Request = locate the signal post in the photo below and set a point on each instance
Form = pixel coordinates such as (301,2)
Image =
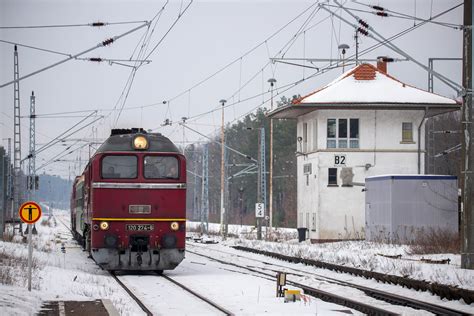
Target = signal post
(30,213)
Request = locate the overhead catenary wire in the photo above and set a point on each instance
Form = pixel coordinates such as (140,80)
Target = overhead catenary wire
(144,46)
(61,155)
(99,45)
(218,142)
(92,24)
(180,15)
(362,52)
(282,51)
(401,15)
(36,48)
(68,135)
(365,51)
(241,56)
(392,46)
(65,134)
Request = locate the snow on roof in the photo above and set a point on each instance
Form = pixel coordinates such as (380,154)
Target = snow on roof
(367,84)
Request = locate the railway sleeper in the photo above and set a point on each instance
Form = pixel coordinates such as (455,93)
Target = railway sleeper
(444,291)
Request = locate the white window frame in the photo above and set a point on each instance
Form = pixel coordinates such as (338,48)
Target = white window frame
(411,133)
(315,135)
(305,137)
(338,141)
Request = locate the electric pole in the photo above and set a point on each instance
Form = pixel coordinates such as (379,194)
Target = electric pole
(467,223)
(195,189)
(205,190)
(222,228)
(270,208)
(261,179)
(184,135)
(31,156)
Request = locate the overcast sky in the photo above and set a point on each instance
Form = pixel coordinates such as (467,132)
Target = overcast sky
(207,37)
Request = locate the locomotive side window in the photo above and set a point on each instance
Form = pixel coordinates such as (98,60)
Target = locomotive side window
(119,167)
(161,167)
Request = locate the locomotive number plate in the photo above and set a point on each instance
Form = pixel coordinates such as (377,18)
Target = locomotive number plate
(140,227)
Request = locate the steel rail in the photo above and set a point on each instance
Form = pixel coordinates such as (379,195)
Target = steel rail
(385,296)
(208,301)
(133,296)
(323,295)
(129,292)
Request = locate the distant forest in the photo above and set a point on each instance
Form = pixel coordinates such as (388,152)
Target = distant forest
(54,191)
(242,190)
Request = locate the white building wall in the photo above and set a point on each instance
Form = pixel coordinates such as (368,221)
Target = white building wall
(339,212)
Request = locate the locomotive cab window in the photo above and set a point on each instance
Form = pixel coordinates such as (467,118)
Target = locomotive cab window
(119,167)
(161,167)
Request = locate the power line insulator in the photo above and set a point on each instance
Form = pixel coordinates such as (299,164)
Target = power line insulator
(364,24)
(362,31)
(383,14)
(98,24)
(378,8)
(107,42)
(388,59)
(96,59)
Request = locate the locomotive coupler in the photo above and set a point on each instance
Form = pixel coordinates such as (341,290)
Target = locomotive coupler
(139,258)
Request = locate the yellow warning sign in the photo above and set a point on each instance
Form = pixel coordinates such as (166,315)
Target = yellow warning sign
(30,212)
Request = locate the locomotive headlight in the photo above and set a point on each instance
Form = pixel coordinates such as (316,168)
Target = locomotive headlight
(104,225)
(140,142)
(174,226)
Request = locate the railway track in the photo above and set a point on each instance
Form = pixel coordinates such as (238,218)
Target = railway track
(149,312)
(374,293)
(441,290)
(145,309)
(132,295)
(208,301)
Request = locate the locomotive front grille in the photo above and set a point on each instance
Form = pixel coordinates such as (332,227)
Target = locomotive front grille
(139,209)
(139,243)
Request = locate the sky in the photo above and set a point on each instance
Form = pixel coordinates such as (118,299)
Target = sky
(186,75)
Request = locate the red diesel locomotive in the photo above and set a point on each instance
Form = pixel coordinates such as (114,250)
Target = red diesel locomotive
(128,207)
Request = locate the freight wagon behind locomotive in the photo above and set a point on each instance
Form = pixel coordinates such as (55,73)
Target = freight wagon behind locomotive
(128,207)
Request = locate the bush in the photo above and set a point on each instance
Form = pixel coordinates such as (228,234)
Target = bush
(433,241)
(14,269)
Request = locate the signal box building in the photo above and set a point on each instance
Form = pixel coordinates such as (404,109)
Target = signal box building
(365,123)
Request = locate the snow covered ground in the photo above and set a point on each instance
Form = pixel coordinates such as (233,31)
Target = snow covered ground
(359,254)
(73,276)
(57,276)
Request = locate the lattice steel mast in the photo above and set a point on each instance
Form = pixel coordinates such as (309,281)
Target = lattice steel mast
(17,136)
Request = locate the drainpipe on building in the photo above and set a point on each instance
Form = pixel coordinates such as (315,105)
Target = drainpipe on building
(419,140)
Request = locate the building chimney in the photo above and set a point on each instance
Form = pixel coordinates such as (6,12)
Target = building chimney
(382,64)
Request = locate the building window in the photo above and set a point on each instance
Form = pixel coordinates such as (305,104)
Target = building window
(315,135)
(305,137)
(313,224)
(332,177)
(331,133)
(354,133)
(407,132)
(343,133)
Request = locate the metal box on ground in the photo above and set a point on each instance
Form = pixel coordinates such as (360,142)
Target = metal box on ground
(398,207)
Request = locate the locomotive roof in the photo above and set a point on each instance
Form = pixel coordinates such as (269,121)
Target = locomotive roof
(124,142)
